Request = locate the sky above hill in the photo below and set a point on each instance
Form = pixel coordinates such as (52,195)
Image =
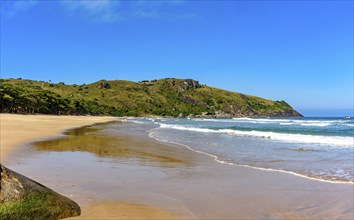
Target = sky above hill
(297,51)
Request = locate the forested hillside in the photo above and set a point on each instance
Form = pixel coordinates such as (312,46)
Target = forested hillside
(164,97)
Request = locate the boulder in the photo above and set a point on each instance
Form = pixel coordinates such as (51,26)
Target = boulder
(191,116)
(24,198)
(221,114)
(204,114)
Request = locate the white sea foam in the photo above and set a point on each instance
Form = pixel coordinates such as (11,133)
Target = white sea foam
(136,121)
(294,138)
(297,138)
(296,122)
(287,123)
(185,128)
(316,124)
(268,120)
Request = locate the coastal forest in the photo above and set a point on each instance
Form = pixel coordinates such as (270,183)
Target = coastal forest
(164,97)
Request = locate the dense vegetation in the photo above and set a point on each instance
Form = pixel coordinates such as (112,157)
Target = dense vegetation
(165,97)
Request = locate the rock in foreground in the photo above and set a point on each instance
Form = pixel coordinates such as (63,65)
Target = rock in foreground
(23,198)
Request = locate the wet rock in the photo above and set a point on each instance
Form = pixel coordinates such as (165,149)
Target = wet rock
(23,198)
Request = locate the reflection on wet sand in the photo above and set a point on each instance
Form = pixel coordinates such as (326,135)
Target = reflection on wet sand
(89,139)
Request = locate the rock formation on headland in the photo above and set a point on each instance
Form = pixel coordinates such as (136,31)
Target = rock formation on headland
(23,198)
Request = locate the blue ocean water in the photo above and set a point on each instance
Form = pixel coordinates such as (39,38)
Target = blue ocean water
(320,148)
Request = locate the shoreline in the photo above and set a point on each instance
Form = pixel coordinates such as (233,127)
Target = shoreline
(211,189)
(222,159)
(216,159)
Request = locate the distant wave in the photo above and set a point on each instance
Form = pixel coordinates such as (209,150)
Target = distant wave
(322,124)
(298,122)
(294,138)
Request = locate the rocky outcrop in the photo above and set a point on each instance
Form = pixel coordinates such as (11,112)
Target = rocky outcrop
(188,100)
(189,83)
(251,114)
(220,114)
(104,85)
(285,113)
(23,198)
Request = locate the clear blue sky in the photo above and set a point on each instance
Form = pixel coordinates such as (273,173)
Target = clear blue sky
(297,51)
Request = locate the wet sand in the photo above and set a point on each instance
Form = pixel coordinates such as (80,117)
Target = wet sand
(112,173)
(19,129)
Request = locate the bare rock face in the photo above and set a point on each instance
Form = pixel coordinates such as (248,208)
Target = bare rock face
(23,198)
(189,83)
(104,85)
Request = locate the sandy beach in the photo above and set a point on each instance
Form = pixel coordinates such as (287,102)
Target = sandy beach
(19,129)
(131,176)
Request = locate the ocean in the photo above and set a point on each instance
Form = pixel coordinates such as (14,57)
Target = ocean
(317,148)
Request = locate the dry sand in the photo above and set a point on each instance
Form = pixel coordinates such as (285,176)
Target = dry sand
(153,180)
(18,129)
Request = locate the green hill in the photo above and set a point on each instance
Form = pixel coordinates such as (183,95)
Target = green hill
(164,97)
